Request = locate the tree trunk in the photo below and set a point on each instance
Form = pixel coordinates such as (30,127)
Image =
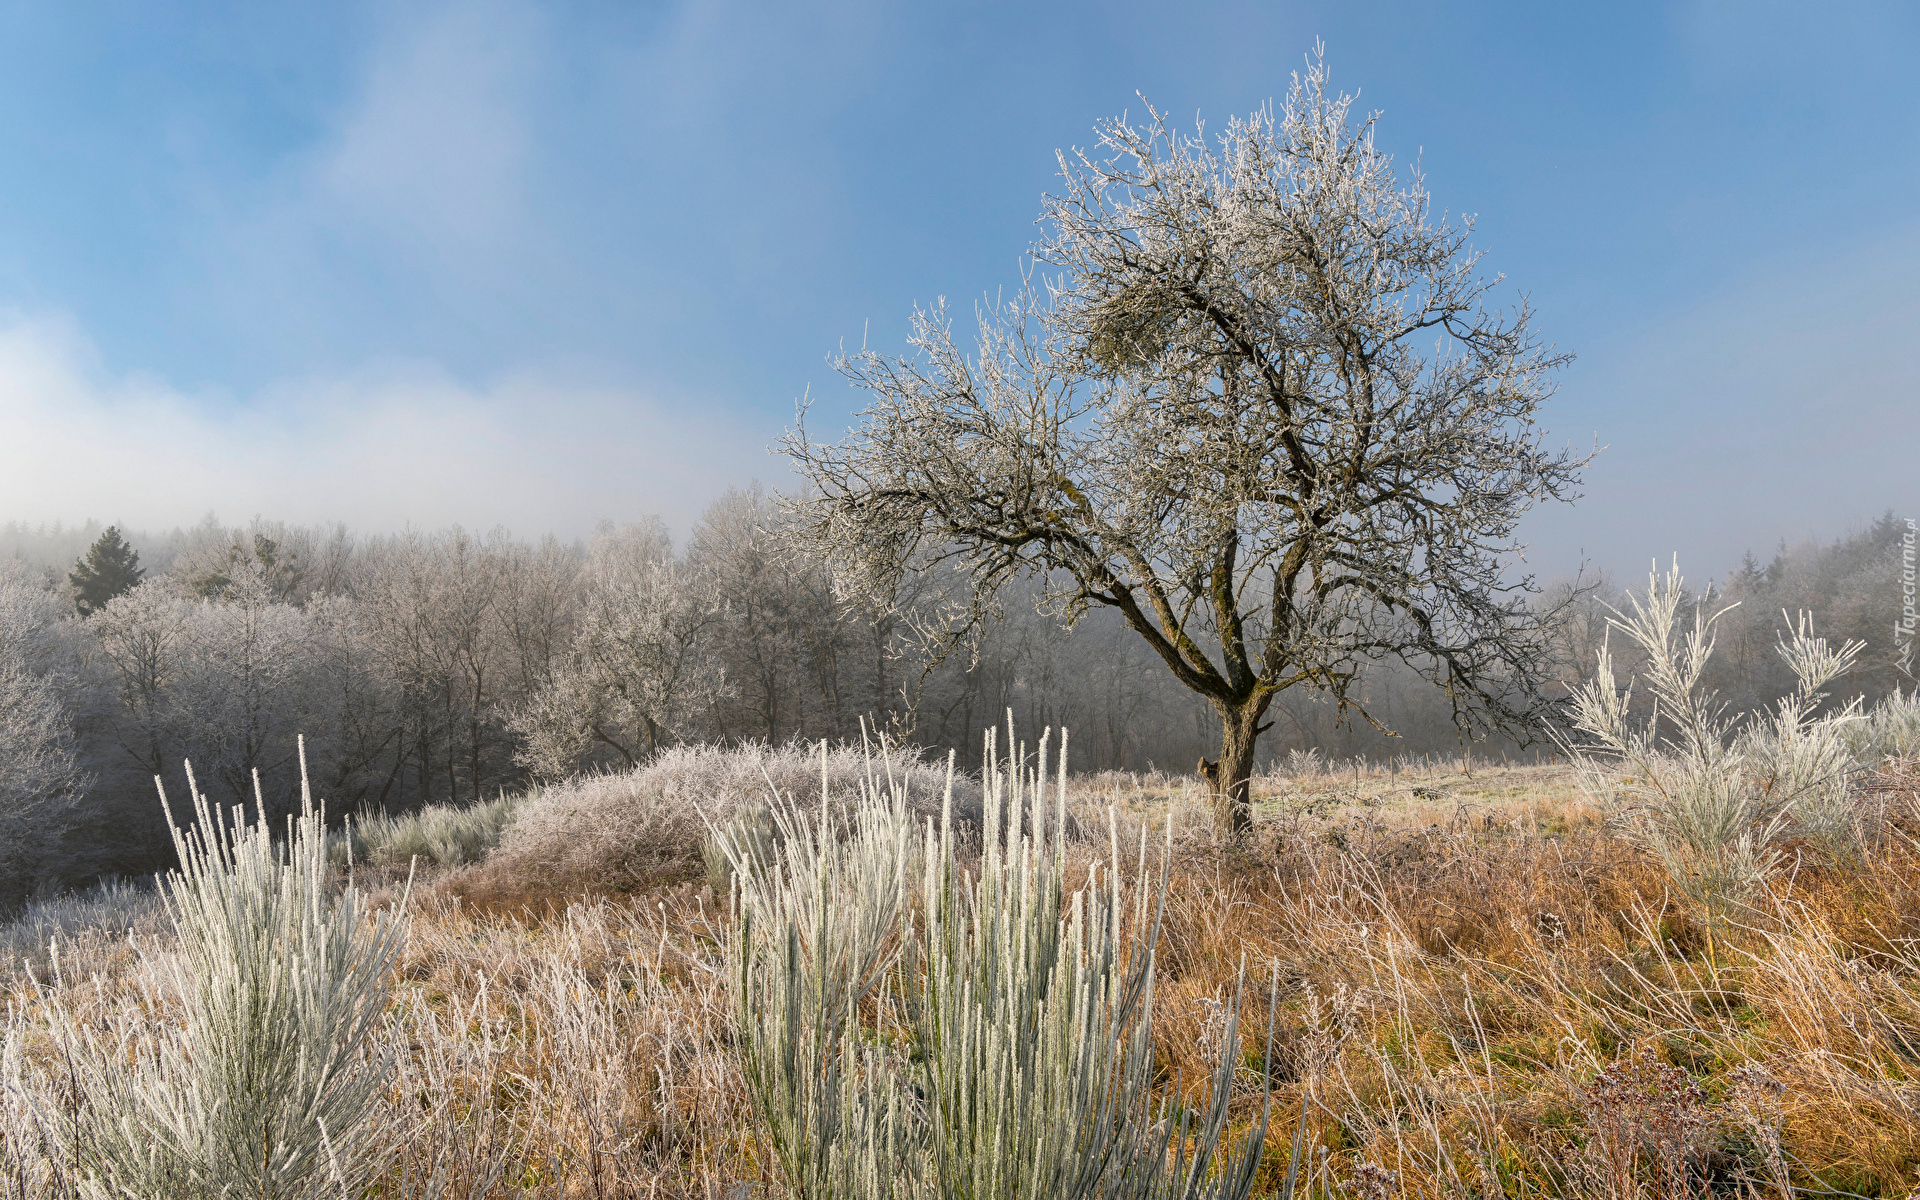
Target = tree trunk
(1230,777)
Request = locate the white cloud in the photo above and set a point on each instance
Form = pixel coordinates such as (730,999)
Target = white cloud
(383,449)
(436,146)
(414,215)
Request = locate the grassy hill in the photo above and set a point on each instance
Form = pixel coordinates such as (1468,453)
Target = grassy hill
(1482,988)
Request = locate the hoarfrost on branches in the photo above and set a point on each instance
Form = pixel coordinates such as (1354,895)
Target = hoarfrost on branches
(1265,411)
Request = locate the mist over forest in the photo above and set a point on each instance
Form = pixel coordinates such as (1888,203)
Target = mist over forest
(450,667)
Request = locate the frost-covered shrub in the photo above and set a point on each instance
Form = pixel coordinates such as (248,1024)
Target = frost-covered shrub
(1805,763)
(445,835)
(994,1041)
(1708,794)
(246,1063)
(82,924)
(1304,764)
(625,830)
(1890,731)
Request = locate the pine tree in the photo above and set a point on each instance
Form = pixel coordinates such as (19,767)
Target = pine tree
(110,568)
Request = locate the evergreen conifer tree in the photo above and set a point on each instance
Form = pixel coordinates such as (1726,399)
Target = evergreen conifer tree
(110,568)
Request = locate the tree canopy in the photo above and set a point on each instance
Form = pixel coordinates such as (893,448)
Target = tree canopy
(1265,410)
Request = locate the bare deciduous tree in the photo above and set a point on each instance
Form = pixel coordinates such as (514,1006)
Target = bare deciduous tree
(640,664)
(39,767)
(432,608)
(137,637)
(245,683)
(1266,414)
(738,548)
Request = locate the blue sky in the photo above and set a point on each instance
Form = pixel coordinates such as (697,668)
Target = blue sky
(532,265)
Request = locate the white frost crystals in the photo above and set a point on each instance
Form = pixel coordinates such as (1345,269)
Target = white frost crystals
(262,1084)
(992,1041)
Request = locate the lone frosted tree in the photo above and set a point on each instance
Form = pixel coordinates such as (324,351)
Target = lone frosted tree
(1264,410)
(110,568)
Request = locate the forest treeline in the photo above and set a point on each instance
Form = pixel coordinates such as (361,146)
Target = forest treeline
(448,667)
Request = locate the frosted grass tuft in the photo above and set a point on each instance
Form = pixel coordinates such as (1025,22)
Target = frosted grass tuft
(993,1041)
(245,1062)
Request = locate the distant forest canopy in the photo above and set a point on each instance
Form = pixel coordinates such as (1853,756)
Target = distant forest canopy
(449,666)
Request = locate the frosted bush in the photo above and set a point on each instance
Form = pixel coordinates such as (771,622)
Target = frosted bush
(447,835)
(994,1041)
(1890,731)
(628,829)
(815,934)
(1304,764)
(1705,794)
(85,925)
(1804,763)
(244,1063)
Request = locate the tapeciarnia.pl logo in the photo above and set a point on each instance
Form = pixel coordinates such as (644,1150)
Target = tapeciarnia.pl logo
(1903,628)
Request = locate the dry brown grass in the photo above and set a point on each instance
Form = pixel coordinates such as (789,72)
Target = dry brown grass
(608,1074)
(1499,995)
(1481,991)
(581,1054)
